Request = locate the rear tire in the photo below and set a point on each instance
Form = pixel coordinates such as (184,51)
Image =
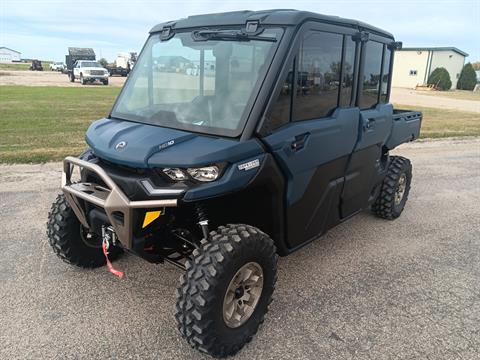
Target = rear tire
(207,306)
(69,241)
(394,189)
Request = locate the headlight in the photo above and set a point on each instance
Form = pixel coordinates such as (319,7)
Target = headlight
(204,174)
(175,174)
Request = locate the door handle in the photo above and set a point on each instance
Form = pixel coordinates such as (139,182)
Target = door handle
(369,123)
(299,142)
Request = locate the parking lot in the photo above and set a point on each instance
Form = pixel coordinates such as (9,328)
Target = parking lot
(369,289)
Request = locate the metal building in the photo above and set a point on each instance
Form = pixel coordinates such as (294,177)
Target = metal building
(8,55)
(412,66)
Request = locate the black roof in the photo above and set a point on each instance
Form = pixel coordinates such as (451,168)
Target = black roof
(285,17)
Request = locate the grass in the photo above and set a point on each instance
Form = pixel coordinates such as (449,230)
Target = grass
(441,123)
(39,124)
(454,94)
(22,66)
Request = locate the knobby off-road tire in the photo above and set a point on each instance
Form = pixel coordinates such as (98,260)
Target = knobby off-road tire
(203,288)
(394,189)
(65,236)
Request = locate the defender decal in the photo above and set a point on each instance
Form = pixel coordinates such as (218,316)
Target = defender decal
(249,165)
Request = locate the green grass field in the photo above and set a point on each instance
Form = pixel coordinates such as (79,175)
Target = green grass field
(40,124)
(441,123)
(22,66)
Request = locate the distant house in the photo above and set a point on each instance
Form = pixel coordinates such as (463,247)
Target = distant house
(413,66)
(8,55)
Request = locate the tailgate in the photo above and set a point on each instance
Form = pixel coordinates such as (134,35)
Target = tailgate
(406,127)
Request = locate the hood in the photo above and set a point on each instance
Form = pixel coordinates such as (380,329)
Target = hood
(143,146)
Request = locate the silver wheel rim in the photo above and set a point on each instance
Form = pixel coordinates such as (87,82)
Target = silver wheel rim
(243,294)
(402,185)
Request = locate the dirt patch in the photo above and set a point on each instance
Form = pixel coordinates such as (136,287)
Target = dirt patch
(48,78)
(414,98)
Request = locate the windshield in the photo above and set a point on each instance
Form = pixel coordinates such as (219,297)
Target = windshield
(204,85)
(90,64)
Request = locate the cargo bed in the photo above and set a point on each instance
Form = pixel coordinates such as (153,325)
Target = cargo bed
(405,128)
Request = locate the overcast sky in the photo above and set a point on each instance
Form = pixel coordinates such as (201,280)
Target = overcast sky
(44,29)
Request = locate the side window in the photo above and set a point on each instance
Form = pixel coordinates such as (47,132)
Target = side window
(386,75)
(280,113)
(318,76)
(348,68)
(371,74)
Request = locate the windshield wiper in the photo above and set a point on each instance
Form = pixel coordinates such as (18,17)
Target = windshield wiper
(204,35)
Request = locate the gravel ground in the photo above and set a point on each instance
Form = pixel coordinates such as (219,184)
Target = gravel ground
(416,98)
(48,78)
(369,289)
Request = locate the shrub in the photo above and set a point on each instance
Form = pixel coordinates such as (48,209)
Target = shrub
(103,62)
(468,78)
(440,78)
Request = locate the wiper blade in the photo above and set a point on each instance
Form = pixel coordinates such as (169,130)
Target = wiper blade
(204,35)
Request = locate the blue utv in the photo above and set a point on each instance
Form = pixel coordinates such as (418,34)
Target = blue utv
(237,137)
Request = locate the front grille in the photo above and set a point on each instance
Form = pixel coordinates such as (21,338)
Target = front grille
(96,72)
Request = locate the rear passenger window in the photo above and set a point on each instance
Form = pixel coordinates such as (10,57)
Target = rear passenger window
(318,76)
(348,68)
(371,74)
(386,75)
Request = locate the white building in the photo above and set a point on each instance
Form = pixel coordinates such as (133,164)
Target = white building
(8,55)
(413,66)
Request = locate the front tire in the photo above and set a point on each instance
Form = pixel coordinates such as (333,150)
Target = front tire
(82,80)
(70,240)
(225,293)
(394,189)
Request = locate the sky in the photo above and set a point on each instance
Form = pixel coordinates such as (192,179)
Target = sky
(45,29)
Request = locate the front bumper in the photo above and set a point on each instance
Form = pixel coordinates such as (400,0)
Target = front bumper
(111,198)
(96,77)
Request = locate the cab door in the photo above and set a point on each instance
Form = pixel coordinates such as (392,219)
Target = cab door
(368,164)
(315,130)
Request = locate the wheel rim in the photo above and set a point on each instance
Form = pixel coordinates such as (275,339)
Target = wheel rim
(402,185)
(243,294)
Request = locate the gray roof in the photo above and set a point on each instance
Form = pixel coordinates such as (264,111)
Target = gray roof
(81,51)
(4,47)
(439,48)
(265,17)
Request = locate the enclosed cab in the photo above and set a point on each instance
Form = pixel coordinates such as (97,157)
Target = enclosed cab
(237,137)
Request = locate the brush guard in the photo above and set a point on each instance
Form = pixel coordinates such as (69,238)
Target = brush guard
(117,206)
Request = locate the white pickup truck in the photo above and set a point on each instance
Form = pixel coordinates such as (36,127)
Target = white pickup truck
(88,71)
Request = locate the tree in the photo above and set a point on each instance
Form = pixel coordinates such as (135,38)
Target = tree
(467,79)
(103,62)
(440,78)
(476,65)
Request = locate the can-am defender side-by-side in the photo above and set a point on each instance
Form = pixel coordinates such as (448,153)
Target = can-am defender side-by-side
(236,137)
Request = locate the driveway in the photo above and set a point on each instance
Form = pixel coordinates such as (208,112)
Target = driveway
(369,289)
(415,98)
